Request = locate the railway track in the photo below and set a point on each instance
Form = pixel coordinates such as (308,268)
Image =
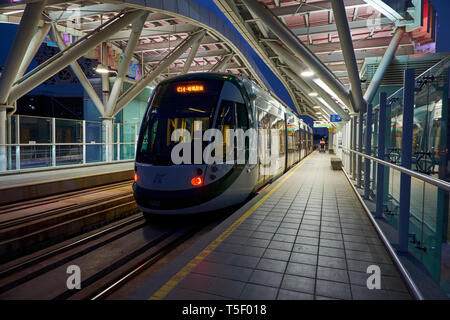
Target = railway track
(107,259)
(32,225)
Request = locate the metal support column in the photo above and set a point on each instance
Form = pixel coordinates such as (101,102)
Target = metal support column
(405,180)
(368,152)
(360,146)
(381,154)
(108,125)
(351,146)
(384,65)
(105,76)
(345,38)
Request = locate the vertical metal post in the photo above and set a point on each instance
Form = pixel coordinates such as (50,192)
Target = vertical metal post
(360,146)
(368,152)
(108,126)
(405,180)
(84,141)
(355,134)
(3,139)
(375,143)
(18,142)
(381,154)
(118,141)
(53,142)
(388,147)
(135,137)
(351,145)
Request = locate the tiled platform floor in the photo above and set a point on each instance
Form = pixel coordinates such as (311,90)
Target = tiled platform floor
(310,239)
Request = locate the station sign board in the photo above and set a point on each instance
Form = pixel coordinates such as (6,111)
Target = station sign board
(335,118)
(322,124)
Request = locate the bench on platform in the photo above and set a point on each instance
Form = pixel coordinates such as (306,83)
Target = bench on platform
(336,163)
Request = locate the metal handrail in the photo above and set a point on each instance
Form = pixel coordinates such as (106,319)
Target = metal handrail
(436,182)
(406,276)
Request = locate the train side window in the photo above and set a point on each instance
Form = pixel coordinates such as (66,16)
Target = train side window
(226,116)
(226,121)
(242,116)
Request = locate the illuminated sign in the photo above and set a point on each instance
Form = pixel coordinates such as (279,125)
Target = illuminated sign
(335,118)
(192,88)
(322,124)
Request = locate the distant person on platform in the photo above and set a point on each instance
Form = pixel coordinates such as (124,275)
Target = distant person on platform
(322,144)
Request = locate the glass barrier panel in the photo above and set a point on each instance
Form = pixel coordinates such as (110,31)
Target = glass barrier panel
(69,131)
(69,154)
(95,153)
(35,156)
(127,151)
(35,130)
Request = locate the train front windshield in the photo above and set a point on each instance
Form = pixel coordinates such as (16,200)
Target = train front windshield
(177,105)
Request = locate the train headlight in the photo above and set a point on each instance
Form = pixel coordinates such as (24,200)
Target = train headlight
(197,181)
(135,177)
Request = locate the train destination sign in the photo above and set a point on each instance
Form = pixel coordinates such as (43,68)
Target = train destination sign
(322,124)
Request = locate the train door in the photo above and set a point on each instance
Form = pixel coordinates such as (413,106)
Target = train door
(263,146)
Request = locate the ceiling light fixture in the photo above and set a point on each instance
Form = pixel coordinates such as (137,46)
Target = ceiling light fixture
(101,69)
(307,73)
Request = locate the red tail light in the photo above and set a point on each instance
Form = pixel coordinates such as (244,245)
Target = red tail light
(135,177)
(197,181)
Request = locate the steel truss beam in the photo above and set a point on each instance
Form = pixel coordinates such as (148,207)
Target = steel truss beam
(191,56)
(40,74)
(222,64)
(345,37)
(384,64)
(24,34)
(125,63)
(298,48)
(132,92)
(80,74)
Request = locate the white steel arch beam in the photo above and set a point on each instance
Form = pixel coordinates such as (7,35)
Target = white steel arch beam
(33,79)
(132,92)
(221,66)
(128,54)
(87,86)
(24,34)
(298,48)
(34,46)
(345,37)
(384,64)
(296,65)
(191,56)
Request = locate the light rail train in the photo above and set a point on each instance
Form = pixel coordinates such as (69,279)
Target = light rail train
(198,102)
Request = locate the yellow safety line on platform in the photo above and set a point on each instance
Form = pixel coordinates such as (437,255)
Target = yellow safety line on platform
(188,268)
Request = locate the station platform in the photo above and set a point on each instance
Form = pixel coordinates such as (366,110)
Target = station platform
(33,184)
(306,236)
